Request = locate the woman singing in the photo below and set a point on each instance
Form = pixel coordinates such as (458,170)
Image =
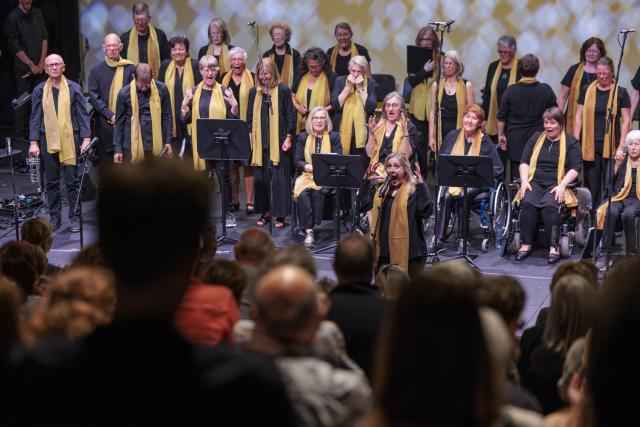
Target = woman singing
(219,45)
(313,88)
(286,58)
(318,138)
(550,162)
(454,94)
(272,121)
(397,217)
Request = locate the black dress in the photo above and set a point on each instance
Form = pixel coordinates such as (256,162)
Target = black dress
(449,118)
(281,173)
(521,107)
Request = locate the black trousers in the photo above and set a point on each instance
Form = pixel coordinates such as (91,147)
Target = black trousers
(104,146)
(422,149)
(529,222)
(22,114)
(224,180)
(593,177)
(310,207)
(52,169)
(446,208)
(626,210)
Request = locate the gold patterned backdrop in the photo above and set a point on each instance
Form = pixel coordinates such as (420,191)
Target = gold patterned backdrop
(554,30)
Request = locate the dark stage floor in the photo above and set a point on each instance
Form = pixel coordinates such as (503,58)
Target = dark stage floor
(534,274)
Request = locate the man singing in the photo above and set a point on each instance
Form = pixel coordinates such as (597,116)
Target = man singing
(105,81)
(59,118)
(143,118)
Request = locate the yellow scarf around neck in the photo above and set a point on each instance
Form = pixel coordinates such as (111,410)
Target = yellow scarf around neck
(458,150)
(569,197)
(58,127)
(287,74)
(379,138)
(574,93)
(588,122)
(155,106)
(274,128)
(601,213)
(319,96)
(188,80)
(153,50)
(223,59)
(118,80)
(334,55)
(461,101)
(492,122)
(398,225)
(245,85)
(305,180)
(353,117)
(217,110)
(420,101)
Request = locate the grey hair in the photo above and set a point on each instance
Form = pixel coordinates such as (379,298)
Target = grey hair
(632,136)
(508,42)
(394,94)
(208,61)
(308,123)
(454,56)
(140,8)
(238,50)
(360,61)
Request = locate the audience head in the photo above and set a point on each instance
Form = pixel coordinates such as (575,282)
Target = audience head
(434,343)
(225,273)
(286,306)
(529,65)
(112,46)
(506,296)
(592,49)
(208,242)
(218,33)
(152,245)
(571,312)
(318,121)
(315,61)
(141,17)
(353,261)
(10,302)
(90,256)
(19,262)
(77,301)
(391,279)
(584,269)
(253,247)
(292,255)
(452,65)
(280,32)
(37,231)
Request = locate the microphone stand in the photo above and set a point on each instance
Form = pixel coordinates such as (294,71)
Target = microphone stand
(439,27)
(266,98)
(612,157)
(16,215)
(77,208)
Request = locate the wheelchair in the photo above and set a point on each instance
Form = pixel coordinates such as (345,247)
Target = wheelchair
(573,225)
(493,209)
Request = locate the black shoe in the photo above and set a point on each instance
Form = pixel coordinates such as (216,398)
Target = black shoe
(55,223)
(521,255)
(75,225)
(604,260)
(235,207)
(553,258)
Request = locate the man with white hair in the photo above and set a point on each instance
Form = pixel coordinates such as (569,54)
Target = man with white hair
(625,201)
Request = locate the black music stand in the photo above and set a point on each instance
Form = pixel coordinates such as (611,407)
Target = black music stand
(338,171)
(465,171)
(223,140)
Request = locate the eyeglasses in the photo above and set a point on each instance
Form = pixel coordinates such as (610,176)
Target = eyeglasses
(55,65)
(323,118)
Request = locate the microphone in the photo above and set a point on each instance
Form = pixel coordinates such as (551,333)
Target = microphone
(385,185)
(628,30)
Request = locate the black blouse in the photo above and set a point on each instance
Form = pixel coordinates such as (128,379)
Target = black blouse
(602,97)
(547,164)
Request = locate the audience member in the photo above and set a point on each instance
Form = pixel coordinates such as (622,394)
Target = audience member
(225,273)
(208,243)
(356,306)
(253,247)
(287,318)
(89,256)
(9,317)
(20,263)
(37,231)
(391,279)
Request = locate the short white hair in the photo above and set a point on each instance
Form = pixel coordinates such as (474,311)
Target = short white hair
(632,136)
(360,61)
(238,50)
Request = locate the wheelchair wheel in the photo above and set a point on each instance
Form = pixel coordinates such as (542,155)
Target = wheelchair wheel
(501,208)
(583,224)
(566,246)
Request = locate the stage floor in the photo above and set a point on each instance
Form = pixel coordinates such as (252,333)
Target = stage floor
(534,273)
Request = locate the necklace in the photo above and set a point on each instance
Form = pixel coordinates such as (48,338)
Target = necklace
(450,89)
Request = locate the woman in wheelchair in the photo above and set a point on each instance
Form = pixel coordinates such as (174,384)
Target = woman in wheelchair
(398,210)
(467,141)
(318,138)
(551,161)
(625,203)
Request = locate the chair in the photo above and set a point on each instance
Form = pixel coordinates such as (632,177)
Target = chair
(386,84)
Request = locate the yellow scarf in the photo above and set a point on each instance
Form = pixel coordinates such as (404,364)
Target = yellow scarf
(217,110)
(492,123)
(319,96)
(188,80)
(398,226)
(118,80)
(461,101)
(574,92)
(334,55)
(287,68)
(569,198)
(420,100)
(379,138)
(305,180)
(601,213)
(223,59)
(274,129)
(155,106)
(153,50)
(458,150)
(353,117)
(588,122)
(58,128)
(245,85)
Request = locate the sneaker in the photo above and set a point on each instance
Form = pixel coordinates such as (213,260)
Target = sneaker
(230,220)
(309,241)
(603,260)
(75,225)
(55,223)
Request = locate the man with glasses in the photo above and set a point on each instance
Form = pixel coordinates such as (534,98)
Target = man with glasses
(59,118)
(144,42)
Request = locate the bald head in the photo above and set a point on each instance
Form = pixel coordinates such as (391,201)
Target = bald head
(287,305)
(112,46)
(54,66)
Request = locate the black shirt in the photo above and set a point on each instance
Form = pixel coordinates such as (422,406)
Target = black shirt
(205,100)
(602,97)
(163,45)
(632,193)
(25,32)
(547,164)
(587,78)
(56,93)
(342,62)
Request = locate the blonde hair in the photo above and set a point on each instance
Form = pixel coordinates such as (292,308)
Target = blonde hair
(270,65)
(208,61)
(406,166)
(220,25)
(308,124)
(391,279)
